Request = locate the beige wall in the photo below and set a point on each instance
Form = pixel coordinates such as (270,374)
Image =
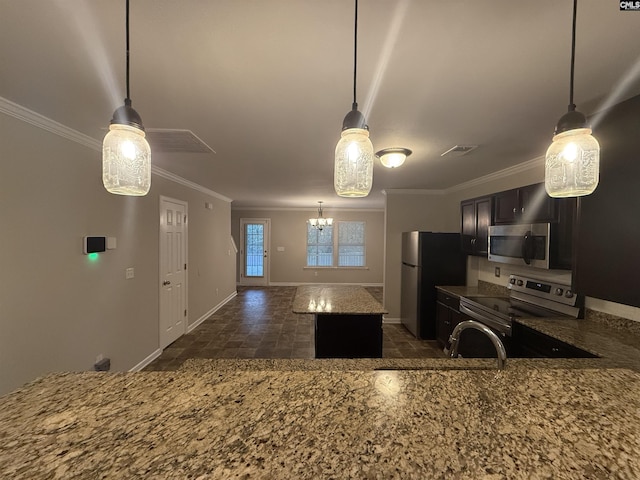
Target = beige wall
(58,309)
(405,212)
(289,230)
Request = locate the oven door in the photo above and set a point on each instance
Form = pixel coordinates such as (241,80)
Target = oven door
(520,244)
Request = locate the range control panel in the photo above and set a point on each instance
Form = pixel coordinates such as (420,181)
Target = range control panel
(551,291)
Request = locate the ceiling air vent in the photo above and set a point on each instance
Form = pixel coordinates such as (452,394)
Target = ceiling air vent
(458,150)
(167,140)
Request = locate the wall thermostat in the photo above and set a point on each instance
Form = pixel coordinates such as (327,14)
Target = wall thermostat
(94,245)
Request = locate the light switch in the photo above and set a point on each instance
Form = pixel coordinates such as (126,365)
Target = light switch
(129,273)
(111,243)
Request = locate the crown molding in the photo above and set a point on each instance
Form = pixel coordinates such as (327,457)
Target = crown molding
(412,191)
(45,123)
(307,209)
(33,118)
(187,183)
(506,172)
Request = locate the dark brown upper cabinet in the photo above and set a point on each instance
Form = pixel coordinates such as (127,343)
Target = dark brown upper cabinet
(476,215)
(529,204)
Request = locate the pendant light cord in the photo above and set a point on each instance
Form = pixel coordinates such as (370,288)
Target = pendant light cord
(127,30)
(355,56)
(572,106)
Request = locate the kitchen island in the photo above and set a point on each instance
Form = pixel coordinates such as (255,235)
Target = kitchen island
(348,320)
(270,419)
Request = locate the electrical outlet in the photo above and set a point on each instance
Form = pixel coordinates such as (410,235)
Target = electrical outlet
(129,273)
(497,271)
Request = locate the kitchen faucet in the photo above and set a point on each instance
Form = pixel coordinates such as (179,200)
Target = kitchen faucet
(455,340)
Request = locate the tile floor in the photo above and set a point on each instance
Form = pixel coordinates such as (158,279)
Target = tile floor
(259,323)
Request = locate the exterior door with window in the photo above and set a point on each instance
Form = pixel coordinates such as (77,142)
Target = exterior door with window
(254,251)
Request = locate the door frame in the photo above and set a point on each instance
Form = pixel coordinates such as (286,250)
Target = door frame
(264,281)
(163,198)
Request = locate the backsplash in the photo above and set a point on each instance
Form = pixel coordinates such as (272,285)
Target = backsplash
(613,321)
(488,288)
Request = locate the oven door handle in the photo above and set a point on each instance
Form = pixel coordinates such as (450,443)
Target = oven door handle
(528,247)
(503,328)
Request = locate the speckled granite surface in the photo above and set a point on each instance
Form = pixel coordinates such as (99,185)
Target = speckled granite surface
(518,424)
(338,299)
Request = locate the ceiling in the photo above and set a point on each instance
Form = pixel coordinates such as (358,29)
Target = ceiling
(266,84)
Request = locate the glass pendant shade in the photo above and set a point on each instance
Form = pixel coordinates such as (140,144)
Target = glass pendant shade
(321,222)
(353,172)
(393,157)
(572,164)
(392,160)
(126,161)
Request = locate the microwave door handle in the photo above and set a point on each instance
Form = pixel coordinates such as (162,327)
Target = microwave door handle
(527,247)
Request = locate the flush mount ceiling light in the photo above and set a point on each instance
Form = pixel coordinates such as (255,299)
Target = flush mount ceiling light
(353,173)
(126,155)
(320,222)
(393,157)
(572,160)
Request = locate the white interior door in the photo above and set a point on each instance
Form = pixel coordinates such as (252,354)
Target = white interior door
(254,251)
(173,266)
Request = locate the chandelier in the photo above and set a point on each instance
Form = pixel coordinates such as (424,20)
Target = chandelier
(320,222)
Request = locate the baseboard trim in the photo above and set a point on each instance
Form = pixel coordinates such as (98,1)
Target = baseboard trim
(301,284)
(147,360)
(391,320)
(195,324)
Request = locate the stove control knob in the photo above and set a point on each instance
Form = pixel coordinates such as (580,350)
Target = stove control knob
(512,281)
(559,292)
(520,283)
(568,294)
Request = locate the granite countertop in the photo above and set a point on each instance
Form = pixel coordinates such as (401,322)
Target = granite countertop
(335,299)
(213,422)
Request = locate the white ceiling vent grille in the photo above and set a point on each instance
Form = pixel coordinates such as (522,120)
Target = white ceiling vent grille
(168,140)
(458,150)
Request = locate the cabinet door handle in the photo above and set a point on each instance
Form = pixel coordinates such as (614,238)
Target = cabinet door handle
(515,209)
(522,210)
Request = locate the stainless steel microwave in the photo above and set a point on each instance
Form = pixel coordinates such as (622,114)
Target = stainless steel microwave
(523,244)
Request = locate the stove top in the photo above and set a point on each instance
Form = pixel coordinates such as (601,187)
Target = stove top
(528,298)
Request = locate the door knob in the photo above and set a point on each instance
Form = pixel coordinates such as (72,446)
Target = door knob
(166,282)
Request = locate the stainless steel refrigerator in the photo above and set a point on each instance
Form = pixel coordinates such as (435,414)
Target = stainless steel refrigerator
(428,259)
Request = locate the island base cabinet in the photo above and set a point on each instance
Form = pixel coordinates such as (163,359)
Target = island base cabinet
(348,336)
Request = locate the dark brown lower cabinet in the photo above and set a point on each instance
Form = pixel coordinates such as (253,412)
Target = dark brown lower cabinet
(348,335)
(447,317)
(529,343)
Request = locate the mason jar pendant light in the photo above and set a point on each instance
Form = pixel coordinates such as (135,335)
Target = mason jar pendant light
(572,160)
(353,173)
(126,155)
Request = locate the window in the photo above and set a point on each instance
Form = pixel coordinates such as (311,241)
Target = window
(319,246)
(349,244)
